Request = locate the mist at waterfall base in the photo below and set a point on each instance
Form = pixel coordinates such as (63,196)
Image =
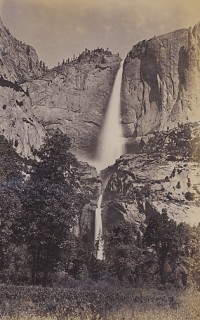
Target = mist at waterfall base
(109,149)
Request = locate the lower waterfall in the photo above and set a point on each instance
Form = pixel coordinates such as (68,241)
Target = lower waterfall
(110,148)
(99,243)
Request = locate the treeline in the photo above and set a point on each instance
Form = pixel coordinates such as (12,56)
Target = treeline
(88,54)
(40,202)
(158,253)
(40,206)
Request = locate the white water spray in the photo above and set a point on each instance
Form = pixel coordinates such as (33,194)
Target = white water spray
(110,148)
(111,144)
(99,243)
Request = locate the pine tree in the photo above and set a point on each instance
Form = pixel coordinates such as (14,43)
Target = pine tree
(161,233)
(51,204)
(11,184)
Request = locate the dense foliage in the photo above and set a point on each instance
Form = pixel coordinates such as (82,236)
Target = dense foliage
(51,203)
(39,210)
(40,206)
(90,301)
(161,253)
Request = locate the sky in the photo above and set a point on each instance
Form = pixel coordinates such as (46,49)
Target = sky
(57,29)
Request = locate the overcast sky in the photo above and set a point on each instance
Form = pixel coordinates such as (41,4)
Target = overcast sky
(59,28)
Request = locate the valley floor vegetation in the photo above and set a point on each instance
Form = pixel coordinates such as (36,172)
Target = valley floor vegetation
(89,300)
(48,271)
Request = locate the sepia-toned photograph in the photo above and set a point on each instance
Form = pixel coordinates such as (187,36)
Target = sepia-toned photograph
(100,159)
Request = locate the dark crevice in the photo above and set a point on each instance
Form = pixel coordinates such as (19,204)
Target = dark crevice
(9,84)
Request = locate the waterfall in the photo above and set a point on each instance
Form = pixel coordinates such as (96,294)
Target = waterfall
(110,148)
(99,244)
(111,143)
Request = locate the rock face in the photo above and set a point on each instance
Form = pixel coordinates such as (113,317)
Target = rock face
(73,97)
(18,123)
(91,185)
(160,102)
(164,174)
(18,61)
(161,83)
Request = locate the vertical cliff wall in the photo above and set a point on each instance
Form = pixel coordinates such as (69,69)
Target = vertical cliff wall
(74,96)
(161,83)
(18,61)
(17,122)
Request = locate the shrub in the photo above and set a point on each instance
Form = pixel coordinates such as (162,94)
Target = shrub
(178,186)
(171,158)
(189,196)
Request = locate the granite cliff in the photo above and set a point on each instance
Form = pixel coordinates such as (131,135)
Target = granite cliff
(18,61)
(161,83)
(159,102)
(160,88)
(17,121)
(162,175)
(72,96)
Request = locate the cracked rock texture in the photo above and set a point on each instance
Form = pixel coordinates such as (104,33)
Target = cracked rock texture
(17,122)
(161,83)
(18,61)
(73,97)
(163,175)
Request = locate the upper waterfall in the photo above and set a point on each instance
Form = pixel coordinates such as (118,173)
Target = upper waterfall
(110,143)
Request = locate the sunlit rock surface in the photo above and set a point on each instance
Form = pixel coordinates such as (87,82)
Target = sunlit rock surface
(163,175)
(161,83)
(18,61)
(91,186)
(74,96)
(17,122)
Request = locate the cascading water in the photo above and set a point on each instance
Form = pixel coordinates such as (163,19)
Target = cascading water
(110,148)
(99,244)
(110,143)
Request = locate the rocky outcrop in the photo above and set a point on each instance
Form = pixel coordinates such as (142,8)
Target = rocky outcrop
(161,83)
(74,96)
(164,175)
(18,61)
(17,122)
(91,186)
